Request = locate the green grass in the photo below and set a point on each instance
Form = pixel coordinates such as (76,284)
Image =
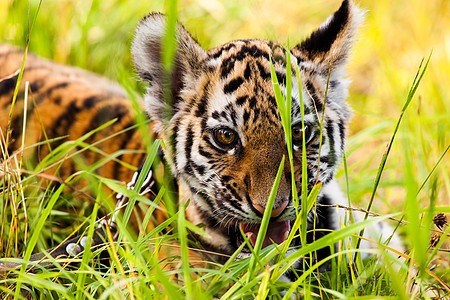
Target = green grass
(411,180)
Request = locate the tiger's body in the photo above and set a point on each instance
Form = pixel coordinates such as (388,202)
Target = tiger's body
(67,102)
(223,132)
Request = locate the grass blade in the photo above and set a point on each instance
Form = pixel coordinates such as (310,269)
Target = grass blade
(35,235)
(414,86)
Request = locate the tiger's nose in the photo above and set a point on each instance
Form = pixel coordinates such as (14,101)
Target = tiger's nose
(275,211)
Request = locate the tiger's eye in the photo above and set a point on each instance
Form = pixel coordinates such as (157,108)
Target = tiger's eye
(225,137)
(297,134)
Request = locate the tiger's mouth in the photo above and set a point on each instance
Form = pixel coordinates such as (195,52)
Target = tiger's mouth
(277,232)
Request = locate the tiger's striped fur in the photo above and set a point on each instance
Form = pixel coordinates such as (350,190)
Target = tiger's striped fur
(230,88)
(69,102)
(224,134)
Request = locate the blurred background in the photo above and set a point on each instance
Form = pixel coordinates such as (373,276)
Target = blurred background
(396,36)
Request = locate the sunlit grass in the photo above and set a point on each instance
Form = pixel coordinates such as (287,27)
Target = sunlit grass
(96,35)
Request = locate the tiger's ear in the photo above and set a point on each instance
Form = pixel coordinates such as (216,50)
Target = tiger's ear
(147,49)
(331,43)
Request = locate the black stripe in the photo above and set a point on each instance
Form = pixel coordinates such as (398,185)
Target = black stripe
(232,112)
(226,67)
(225,116)
(202,105)
(273,102)
(188,154)
(247,182)
(234,117)
(256,113)
(330,134)
(234,203)
(246,116)
(146,76)
(200,169)
(16,125)
(52,88)
(245,51)
(45,94)
(312,92)
(7,86)
(173,140)
(188,169)
(311,176)
(91,101)
(65,120)
(221,50)
(204,153)
(342,133)
(252,102)
(328,178)
(220,151)
(216,115)
(203,124)
(226,178)
(324,159)
(37,85)
(107,113)
(281,77)
(247,72)
(241,100)
(188,144)
(262,71)
(233,85)
(234,193)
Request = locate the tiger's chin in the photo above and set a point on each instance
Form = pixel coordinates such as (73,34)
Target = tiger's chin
(225,233)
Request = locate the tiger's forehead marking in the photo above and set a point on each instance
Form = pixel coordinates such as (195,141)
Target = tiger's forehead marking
(244,86)
(228,55)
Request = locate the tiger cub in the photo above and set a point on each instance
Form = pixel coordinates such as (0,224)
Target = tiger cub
(225,139)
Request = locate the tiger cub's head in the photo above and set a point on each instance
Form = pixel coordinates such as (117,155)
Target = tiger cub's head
(223,132)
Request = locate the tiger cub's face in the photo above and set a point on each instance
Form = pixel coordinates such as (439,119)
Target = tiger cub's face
(223,132)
